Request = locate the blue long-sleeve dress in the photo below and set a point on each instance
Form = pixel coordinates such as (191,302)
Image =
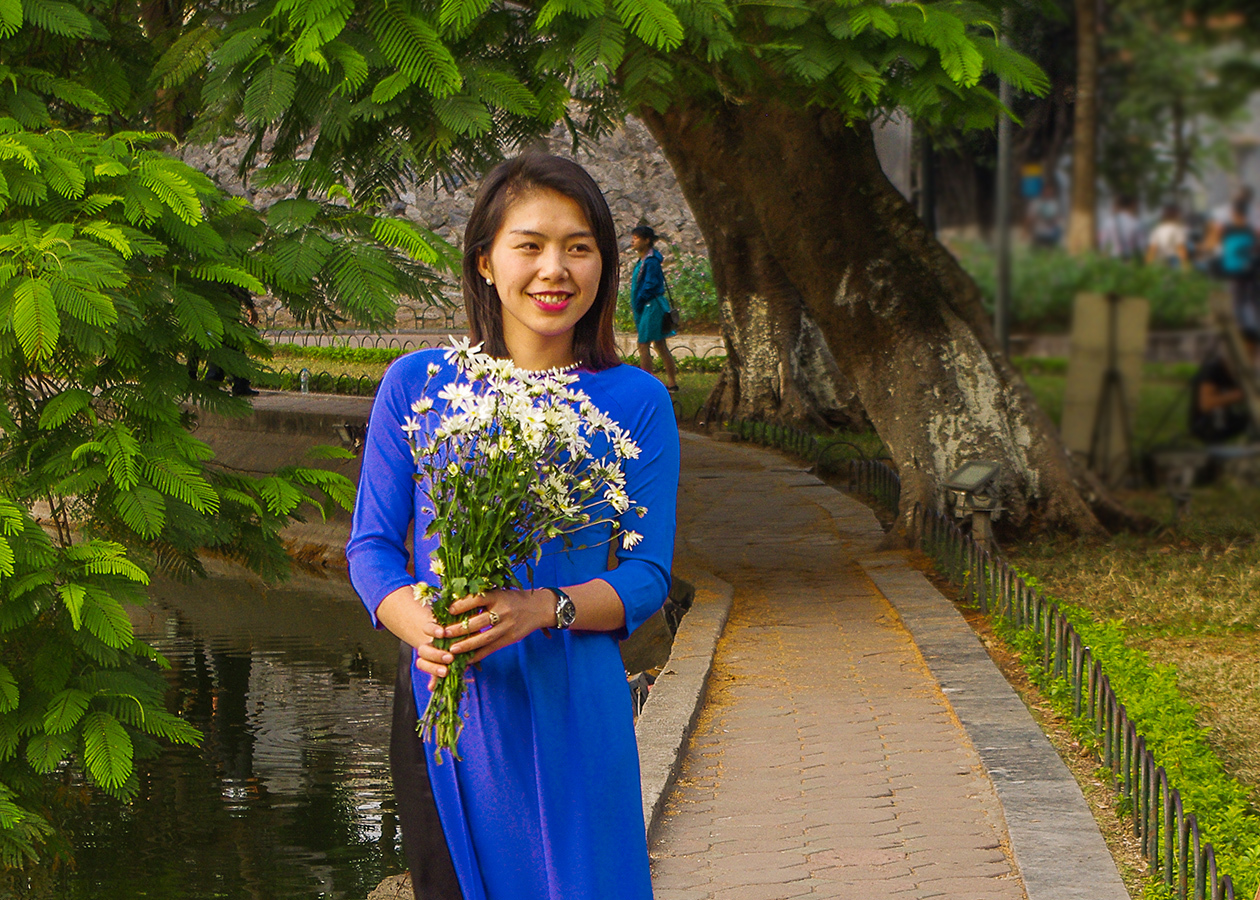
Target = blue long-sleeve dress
(546,801)
(648,299)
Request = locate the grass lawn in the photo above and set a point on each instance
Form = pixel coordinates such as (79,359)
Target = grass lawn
(1189,596)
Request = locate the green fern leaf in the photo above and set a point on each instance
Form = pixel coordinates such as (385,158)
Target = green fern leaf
(413,47)
(651,21)
(10,738)
(581,9)
(88,306)
(164,178)
(502,90)
(464,114)
(1012,67)
(121,455)
(185,57)
(75,94)
(35,319)
(65,710)
(280,496)
(270,93)
(10,17)
(105,618)
(299,261)
(391,86)
(143,510)
(198,317)
(63,407)
(183,482)
(602,44)
(458,15)
(109,234)
(64,177)
(46,751)
(7,561)
(107,750)
(8,690)
(56,17)
(405,236)
(234,496)
(73,596)
(222,273)
(239,48)
(320,27)
(876,17)
(292,215)
(354,67)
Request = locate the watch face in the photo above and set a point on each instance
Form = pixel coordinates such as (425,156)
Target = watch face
(566,612)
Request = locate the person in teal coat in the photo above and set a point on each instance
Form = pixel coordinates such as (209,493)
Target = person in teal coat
(649,303)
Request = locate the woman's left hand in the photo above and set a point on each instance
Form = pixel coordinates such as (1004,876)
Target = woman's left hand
(505,617)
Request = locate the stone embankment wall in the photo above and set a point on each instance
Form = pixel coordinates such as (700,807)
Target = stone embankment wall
(627,164)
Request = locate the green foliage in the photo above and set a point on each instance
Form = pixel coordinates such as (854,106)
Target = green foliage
(120,267)
(1169,723)
(1044,284)
(441,90)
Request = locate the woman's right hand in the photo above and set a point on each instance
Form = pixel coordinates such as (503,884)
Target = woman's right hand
(411,620)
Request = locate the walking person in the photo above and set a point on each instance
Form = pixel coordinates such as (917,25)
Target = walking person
(545,803)
(1167,243)
(1232,244)
(650,303)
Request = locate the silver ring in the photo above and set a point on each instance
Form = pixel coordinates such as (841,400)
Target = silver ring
(494,617)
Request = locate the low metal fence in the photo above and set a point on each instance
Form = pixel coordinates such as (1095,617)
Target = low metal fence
(874,478)
(1170,838)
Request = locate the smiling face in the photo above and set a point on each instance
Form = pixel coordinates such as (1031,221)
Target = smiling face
(545,267)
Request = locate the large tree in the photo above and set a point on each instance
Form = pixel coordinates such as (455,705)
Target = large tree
(830,285)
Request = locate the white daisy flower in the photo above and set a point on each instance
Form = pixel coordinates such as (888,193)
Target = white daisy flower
(630,538)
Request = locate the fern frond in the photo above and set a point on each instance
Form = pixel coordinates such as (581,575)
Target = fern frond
(185,57)
(56,17)
(270,92)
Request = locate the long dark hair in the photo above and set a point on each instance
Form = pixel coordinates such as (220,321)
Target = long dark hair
(593,343)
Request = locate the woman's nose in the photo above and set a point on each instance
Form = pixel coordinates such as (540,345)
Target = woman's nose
(553,263)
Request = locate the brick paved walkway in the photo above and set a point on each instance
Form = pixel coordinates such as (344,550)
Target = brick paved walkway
(826,761)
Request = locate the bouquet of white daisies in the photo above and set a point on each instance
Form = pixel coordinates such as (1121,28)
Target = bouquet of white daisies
(516,459)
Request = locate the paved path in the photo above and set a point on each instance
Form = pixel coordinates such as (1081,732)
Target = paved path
(826,761)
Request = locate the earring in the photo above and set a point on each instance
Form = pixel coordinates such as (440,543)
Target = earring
(489,280)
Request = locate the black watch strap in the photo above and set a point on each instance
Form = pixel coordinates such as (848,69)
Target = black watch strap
(566,612)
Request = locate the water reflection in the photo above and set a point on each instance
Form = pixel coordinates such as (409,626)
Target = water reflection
(289,795)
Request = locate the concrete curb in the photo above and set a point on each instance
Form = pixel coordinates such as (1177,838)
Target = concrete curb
(1058,848)
(669,715)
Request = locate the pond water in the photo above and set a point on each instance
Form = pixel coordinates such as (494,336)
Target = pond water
(289,795)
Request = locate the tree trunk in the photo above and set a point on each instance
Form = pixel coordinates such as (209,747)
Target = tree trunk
(778,365)
(1082,234)
(795,210)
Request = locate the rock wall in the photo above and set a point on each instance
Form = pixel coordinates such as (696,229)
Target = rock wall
(628,165)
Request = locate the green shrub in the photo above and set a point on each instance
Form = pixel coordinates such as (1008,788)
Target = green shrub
(1044,284)
(1169,723)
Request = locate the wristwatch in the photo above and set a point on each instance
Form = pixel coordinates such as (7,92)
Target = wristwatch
(566,612)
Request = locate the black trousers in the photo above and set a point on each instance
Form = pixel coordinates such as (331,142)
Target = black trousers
(432,872)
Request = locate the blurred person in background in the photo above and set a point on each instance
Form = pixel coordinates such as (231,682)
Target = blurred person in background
(1218,407)
(1167,243)
(1045,217)
(1232,246)
(1122,235)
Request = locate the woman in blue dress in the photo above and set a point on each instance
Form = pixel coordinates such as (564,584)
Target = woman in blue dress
(649,303)
(545,803)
